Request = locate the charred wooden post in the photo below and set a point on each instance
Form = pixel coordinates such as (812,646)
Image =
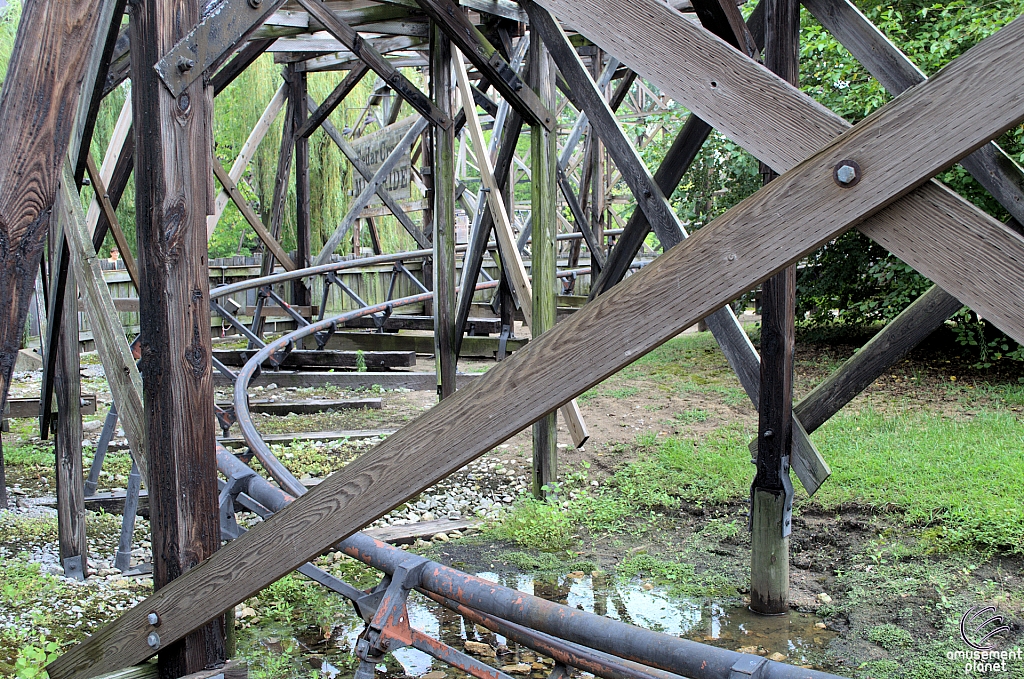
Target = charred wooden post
(68,440)
(772,493)
(297,93)
(543,197)
(174,194)
(37,105)
(443,174)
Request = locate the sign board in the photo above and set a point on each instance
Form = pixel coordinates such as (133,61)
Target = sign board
(374,148)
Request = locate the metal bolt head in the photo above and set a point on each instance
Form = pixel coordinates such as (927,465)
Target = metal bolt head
(153,618)
(185,64)
(768,433)
(153,640)
(255,3)
(846,173)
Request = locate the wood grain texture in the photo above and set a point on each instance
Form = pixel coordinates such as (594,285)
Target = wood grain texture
(70,487)
(990,165)
(174,195)
(111,345)
(445,297)
(968,253)
(544,256)
(365,51)
(782,222)
(298,92)
(37,116)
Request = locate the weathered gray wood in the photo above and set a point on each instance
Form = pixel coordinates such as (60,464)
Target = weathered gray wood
(473,326)
(37,103)
(932,229)
(243,206)
(111,345)
(990,165)
(762,235)
(337,95)
(365,51)
(543,199)
(452,18)
(341,435)
(445,295)
(29,407)
(360,201)
(367,174)
(326,359)
(769,562)
(174,195)
(72,542)
(416,381)
(906,331)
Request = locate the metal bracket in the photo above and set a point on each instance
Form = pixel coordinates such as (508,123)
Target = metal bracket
(506,72)
(229,491)
(506,333)
(748,667)
(212,41)
(74,568)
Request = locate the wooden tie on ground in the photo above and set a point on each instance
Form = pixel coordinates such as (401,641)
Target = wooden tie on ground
(898,148)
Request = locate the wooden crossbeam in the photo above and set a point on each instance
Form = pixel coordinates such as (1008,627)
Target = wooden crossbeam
(989,165)
(364,170)
(337,95)
(365,51)
(245,154)
(512,262)
(810,466)
(932,229)
(100,187)
(772,229)
(250,216)
(452,19)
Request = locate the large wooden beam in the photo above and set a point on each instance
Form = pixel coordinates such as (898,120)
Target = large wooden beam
(37,117)
(445,298)
(544,257)
(772,229)
(337,95)
(174,195)
(453,19)
(810,466)
(933,229)
(365,51)
(989,165)
(771,494)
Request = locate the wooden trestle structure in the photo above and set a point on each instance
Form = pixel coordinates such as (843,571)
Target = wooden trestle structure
(518,63)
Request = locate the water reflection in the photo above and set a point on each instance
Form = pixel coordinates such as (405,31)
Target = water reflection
(795,636)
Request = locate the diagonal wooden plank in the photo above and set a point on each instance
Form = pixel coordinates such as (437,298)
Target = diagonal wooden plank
(364,170)
(359,202)
(365,51)
(337,95)
(243,206)
(100,188)
(932,229)
(811,468)
(989,165)
(772,229)
(452,19)
(512,263)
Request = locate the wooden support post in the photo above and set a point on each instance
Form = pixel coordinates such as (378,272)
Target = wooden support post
(174,194)
(297,93)
(444,215)
(771,493)
(43,82)
(543,197)
(74,548)
(775,227)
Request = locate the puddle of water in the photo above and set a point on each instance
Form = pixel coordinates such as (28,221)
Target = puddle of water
(330,652)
